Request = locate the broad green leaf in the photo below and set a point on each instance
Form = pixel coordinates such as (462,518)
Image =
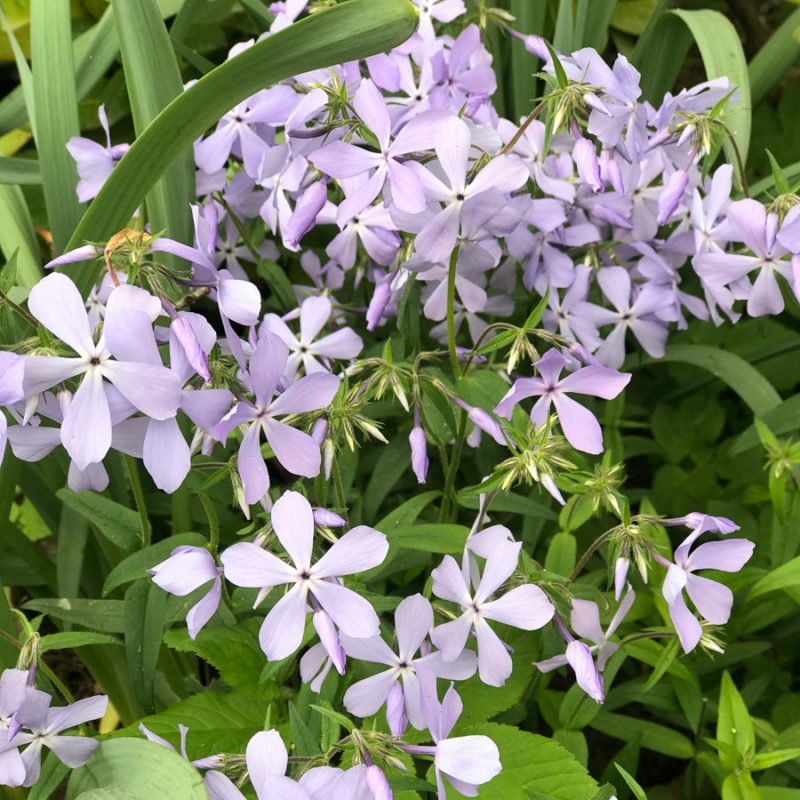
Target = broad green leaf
(633,16)
(406,513)
(63,641)
(135,566)
(561,554)
(145,612)
(785,576)
(754,389)
(352,30)
(637,790)
(394,460)
(218,723)
(153,80)
(232,650)
(775,58)
(431,537)
(56,113)
(740,786)
(510,502)
(21,171)
(529,17)
(532,764)
(100,615)
(734,725)
(135,769)
(778,793)
(721,50)
(592,23)
(118,524)
(17,235)
(563,37)
(650,735)
(304,740)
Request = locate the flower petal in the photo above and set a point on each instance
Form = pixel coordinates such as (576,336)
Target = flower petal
(360,549)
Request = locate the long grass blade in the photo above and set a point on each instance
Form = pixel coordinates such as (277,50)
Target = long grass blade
(56,113)
(353,30)
(22,171)
(773,61)
(153,80)
(530,18)
(17,235)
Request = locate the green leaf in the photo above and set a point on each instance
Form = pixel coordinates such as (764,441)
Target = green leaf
(637,790)
(650,735)
(218,723)
(17,235)
(118,524)
(563,38)
(306,744)
(71,639)
(145,614)
(784,418)
(665,661)
(721,50)
(406,513)
(135,769)
(100,615)
(778,175)
(754,389)
(431,537)
(740,786)
(22,171)
(510,502)
(532,764)
(279,284)
(352,30)
(561,554)
(772,758)
(785,576)
(56,113)
(776,57)
(734,725)
(232,650)
(335,716)
(53,772)
(153,80)
(135,566)
(592,23)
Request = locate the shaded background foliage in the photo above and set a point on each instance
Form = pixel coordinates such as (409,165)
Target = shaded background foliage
(684,430)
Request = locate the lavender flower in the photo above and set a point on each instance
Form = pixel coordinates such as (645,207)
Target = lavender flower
(247,564)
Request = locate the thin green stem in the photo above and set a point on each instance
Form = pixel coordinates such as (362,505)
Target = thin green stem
(241,230)
(56,681)
(451,320)
(589,553)
(337,479)
(138,496)
(450,479)
(522,128)
(213,521)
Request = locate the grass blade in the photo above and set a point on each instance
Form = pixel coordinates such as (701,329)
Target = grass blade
(17,235)
(594,31)
(56,113)
(355,29)
(530,18)
(153,80)
(774,60)
(565,28)
(22,171)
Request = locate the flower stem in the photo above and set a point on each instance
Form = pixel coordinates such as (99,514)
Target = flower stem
(453,467)
(138,496)
(337,479)
(451,322)
(213,522)
(588,554)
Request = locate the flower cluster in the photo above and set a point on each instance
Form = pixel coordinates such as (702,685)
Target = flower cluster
(598,222)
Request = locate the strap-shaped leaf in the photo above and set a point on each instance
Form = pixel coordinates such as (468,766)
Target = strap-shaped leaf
(353,30)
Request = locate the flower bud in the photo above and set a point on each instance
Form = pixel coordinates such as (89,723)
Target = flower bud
(419,454)
(329,638)
(322,516)
(377,305)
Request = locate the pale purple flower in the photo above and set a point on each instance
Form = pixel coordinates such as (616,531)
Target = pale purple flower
(712,599)
(345,160)
(94,162)
(14,687)
(294,449)
(439,10)
(267,760)
(505,173)
(674,189)
(466,761)
(413,622)
(186,569)
(44,727)
(373,227)
(585,156)
(525,607)
(307,350)
(635,314)
(585,621)
(750,223)
(580,426)
(150,387)
(247,564)
(12,370)
(209,762)
(419,453)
